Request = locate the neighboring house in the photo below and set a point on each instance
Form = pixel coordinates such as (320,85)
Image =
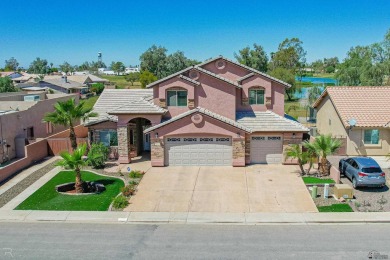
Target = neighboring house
(87,79)
(131,70)
(62,84)
(21,120)
(358,115)
(10,74)
(216,113)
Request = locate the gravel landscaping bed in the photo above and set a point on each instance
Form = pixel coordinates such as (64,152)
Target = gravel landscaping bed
(321,201)
(25,183)
(369,199)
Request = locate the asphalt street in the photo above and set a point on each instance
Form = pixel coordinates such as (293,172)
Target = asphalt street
(49,240)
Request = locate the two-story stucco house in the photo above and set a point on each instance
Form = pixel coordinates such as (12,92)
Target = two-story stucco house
(216,113)
(358,115)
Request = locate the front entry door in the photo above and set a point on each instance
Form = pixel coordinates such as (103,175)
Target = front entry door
(146,142)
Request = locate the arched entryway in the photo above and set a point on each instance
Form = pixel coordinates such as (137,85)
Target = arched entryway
(139,142)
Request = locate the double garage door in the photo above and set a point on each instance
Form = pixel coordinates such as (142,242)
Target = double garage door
(198,151)
(266,149)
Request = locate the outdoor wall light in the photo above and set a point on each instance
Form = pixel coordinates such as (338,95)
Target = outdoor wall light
(238,134)
(293,135)
(156,135)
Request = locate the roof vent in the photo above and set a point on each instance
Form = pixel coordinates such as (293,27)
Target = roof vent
(220,64)
(194,75)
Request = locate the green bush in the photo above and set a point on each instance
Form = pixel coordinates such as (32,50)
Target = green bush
(98,155)
(120,202)
(128,190)
(134,183)
(97,88)
(136,174)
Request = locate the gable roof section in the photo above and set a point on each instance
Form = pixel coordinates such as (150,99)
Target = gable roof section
(70,84)
(218,77)
(268,122)
(370,106)
(112,99)
(246,67)
(204,112)
(199,67)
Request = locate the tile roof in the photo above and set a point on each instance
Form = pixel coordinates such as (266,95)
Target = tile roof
(202,111)
(70,84)
(268,122)
(190,80)
(83,78)
(369,106)
(199,67)
(123,100)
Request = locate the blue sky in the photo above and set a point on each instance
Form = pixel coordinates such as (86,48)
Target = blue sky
(75,31)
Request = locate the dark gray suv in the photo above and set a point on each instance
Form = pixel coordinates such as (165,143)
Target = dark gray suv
(362,171)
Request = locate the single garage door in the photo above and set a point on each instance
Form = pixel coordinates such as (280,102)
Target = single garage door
(198,151)
(266,149)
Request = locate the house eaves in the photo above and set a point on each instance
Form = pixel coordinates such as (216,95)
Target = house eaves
(204,112)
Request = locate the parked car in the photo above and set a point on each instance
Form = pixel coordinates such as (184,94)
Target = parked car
(362,171)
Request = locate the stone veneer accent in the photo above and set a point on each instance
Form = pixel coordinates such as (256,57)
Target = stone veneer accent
(238,152)
(163,103)
(245,101)
(268,101)
(123,144)
(248,149)
(191,103)
(157,151)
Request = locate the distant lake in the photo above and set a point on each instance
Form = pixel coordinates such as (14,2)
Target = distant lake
(317,80)
(303,92)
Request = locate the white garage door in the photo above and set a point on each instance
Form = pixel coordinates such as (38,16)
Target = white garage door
(198,151)
(266,149)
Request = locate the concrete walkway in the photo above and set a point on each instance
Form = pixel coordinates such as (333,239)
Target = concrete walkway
(23,174)
(194,217)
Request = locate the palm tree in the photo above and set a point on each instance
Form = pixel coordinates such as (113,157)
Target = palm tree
(294,151)
(67,113)
(75,162)
(323,146)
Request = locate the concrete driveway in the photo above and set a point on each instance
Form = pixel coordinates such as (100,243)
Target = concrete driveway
(257,188)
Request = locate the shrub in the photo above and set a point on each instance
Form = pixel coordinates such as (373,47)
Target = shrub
(128,190)
(134,183)
(120,202)
(97,88)
(98,155)
(136,174)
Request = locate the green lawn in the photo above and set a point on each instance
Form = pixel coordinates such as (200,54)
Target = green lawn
(120,81)
(294,109)
(47,198)
(90,102)
(314,180)
(324,75)
(335,208)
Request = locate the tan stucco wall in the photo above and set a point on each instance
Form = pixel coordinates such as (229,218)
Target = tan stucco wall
(355,144)
(326,112)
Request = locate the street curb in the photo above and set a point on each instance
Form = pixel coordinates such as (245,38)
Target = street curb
(195,217)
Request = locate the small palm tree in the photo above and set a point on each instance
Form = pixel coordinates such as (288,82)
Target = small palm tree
(323,146)
(294,151)
(67,113)
(75,161)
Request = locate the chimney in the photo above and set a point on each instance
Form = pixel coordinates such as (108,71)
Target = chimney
(65,79)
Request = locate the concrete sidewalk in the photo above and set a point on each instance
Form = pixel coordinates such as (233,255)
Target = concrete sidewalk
(194,217)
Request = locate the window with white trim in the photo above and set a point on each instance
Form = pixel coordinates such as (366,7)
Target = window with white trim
(371,136)
(177,98)
(256,97)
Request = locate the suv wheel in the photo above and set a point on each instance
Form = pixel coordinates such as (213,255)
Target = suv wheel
(354,183)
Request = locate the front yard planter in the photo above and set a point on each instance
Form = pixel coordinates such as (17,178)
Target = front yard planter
(90,188)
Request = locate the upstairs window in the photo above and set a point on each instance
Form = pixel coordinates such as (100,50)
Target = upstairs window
(371,136)
(177,98)
(256,97)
